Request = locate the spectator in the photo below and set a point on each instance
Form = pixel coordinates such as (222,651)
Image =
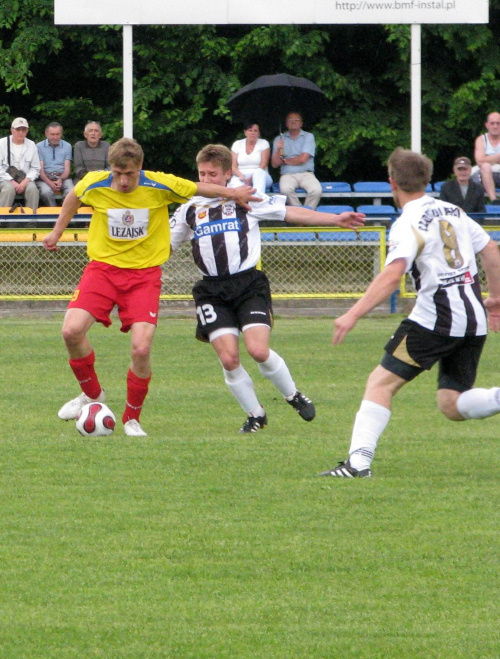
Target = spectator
(438,243)
(487,157)
(91,154)
(462,191)
(293,153)
(55,160)
(250,160)
(17,151)
(234,295)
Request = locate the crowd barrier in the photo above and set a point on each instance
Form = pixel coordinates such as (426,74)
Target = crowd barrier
(300,262)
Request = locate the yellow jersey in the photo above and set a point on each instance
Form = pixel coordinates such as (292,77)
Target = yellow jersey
(131,229)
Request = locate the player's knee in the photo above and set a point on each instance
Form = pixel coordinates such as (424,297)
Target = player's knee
(447,404)
(229,361)
(259,353)
(140,351)
(72,335)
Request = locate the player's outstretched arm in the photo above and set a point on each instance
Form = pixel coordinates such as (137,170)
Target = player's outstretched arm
(347,220)
(490,257)
(70,205)
(241,195)
(379,290)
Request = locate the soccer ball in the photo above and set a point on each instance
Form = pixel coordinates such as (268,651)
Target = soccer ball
(95,420)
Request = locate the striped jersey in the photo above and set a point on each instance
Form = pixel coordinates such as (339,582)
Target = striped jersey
(439,243)
(131,229)
(225,238)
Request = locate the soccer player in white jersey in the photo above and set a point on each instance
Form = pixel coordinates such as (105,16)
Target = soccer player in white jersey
(437,242)
(128,241)
(234,296)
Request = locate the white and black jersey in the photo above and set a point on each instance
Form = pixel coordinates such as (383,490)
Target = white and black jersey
(225,238)
(439,243)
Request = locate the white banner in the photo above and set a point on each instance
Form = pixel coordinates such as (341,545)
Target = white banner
(264,12)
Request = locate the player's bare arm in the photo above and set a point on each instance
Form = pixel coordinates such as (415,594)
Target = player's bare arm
(379,290)
(70,205)
(347,220)
(490,258)
(241,195)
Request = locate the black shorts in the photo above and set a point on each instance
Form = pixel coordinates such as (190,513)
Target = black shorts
(232,301)
(413,349)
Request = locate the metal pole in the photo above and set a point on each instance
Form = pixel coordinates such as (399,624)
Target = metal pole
(416,87)
(128,82)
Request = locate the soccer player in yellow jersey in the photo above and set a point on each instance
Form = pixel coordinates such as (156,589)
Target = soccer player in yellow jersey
(128,241)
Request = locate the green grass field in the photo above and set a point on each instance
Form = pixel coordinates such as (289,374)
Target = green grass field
(197,542)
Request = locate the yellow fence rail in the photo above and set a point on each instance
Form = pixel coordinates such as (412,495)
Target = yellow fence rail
(300,263)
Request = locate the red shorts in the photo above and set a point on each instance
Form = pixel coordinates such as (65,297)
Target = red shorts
(136,292)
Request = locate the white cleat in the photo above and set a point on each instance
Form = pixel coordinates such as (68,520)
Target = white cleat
(133,429)
(71,409)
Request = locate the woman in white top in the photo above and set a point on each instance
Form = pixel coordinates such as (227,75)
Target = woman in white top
(250,160)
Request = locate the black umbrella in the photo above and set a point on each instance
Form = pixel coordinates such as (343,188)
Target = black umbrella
(268,99)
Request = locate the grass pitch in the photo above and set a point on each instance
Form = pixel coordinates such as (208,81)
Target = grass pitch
(199,543)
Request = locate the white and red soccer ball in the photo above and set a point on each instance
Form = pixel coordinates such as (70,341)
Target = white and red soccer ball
(95,420)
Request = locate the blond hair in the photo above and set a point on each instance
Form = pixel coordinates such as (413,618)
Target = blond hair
(410,171)
(218,154)
(124,150)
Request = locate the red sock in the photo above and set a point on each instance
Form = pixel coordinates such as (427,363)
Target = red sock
(137,389)
(84,371)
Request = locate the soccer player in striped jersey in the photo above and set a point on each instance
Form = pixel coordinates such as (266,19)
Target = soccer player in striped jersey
(128,241)
(437,243)
(234,295)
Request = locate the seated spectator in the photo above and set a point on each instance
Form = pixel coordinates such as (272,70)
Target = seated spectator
(19,166)
(55,160)
(462,191)
(487,157)
(250,160)
(91,154)
(293,153)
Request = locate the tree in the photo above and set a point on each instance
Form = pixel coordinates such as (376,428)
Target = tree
(183,76)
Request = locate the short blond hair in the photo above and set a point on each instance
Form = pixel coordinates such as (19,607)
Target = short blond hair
(217,154)
(124,150)
(411,171)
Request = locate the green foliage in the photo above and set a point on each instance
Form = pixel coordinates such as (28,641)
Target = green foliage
(184,75)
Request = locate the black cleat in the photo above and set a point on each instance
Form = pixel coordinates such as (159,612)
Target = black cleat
(344,470)
(303,405)
(254,423)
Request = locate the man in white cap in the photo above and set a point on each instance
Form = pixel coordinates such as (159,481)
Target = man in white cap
(19,166)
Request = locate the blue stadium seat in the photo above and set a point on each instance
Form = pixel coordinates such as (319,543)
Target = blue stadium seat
(339,208)
(377,209)
(492,209)
(267,236)
(299,236)
(372,186)
(428,188)
(276,188)
(337,236)
(438,185)
(336,186)
(494,235)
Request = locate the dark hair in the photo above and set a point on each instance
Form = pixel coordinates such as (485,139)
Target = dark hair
(248,124)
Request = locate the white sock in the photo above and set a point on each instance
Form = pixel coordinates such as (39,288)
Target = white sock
(479,403)
(369,424)
(241,386)
(276,370)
